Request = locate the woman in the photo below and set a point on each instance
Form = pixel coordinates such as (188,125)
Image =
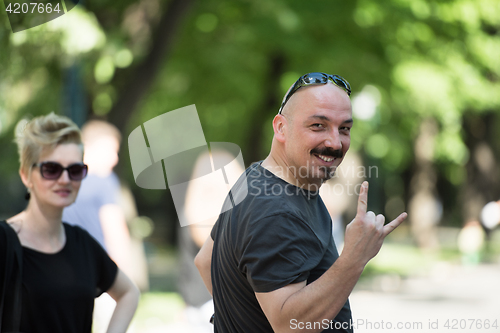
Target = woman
(64,268)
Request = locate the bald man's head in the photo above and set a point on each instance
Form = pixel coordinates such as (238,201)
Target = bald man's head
(314,79)
(312,133)
(293,102)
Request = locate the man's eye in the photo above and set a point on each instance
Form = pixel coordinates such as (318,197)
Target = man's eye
(317,126)
(345,129)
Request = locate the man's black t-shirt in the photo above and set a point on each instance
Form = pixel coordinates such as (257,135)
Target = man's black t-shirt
(58,290)
(278,235)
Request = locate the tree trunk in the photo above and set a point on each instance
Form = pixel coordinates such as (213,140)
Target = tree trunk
(270,101)
(482,181)
(424,207)
(146,72)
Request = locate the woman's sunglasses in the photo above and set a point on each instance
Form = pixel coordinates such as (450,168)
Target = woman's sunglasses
(316,78)
(54,170)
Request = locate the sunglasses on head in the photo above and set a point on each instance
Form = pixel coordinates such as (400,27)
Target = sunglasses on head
(314,79)
(54,170)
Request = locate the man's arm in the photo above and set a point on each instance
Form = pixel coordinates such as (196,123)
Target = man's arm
(203,262)
(325,297)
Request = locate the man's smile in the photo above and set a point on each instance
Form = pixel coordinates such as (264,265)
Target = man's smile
(325,158)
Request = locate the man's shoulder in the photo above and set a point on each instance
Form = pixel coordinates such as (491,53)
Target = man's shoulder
(270,199)
(265,188)
(259,205)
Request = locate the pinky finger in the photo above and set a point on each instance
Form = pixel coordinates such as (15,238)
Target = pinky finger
(389,227)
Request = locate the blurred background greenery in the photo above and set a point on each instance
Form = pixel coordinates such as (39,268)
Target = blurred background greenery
(425,76)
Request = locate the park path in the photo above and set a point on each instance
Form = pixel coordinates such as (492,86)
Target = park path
(450,298)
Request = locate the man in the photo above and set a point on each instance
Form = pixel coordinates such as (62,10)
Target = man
(271,263)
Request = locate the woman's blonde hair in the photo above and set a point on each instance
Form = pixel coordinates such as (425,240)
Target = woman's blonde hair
(42,134)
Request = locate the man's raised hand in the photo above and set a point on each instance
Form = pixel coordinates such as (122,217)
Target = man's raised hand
(366,233)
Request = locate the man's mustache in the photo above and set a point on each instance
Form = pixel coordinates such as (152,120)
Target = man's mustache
(335,153)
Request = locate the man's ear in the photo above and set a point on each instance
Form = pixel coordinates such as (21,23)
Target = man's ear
(280,125)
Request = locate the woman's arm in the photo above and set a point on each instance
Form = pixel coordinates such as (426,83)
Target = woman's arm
(203,262)
(126,295)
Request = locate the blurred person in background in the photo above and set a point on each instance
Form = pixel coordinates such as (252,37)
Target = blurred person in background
(271,262)
(199,199)
(63,267)
(98,209)
(471,241)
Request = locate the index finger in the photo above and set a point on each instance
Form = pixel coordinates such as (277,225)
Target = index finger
(363,199)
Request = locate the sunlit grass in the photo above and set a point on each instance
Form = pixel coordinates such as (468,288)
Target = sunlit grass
(396,258)
(157,309)
(407,260)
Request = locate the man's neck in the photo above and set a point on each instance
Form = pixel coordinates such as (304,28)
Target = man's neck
(282,170)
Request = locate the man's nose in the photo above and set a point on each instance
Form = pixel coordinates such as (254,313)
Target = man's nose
(333,141)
